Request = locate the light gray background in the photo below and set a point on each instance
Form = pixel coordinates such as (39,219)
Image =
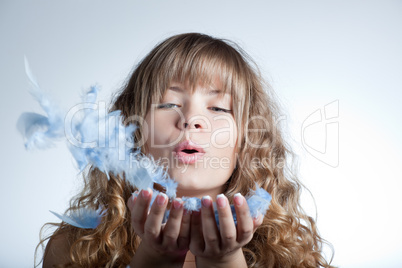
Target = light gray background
(314,53)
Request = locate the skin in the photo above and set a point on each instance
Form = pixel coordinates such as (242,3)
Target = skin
(186,236)
(203,117)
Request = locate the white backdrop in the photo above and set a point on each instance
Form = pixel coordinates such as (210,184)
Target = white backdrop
(336,66)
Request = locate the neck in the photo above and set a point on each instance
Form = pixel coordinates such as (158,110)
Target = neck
(189,261)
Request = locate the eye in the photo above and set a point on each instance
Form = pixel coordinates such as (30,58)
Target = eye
(167,106)
(217,109)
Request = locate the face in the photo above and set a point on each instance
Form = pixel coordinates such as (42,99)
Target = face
(193,133)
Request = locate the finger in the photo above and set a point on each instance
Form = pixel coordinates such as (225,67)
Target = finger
(153,223)
(227,226)
(131,200)
(140,210)
(172,228)
(197,245)
(183,241)
(257,221)
(245,225)
(209,228)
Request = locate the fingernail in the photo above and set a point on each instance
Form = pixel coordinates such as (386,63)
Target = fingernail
(177,203)
(206,201)
(221,201)
(146,193)
(161,198)
(238,199)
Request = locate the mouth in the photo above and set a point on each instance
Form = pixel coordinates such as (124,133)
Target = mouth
(188,153)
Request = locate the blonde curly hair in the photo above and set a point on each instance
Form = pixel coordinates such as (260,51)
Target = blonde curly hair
(287,236)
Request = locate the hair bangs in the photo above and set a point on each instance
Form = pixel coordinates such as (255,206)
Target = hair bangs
(209,63)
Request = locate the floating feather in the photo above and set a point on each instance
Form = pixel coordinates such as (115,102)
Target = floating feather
(40,131)
(85,218)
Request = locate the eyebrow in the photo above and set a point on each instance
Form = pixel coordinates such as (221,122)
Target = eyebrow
(212,92)
(215,92)
(177,89)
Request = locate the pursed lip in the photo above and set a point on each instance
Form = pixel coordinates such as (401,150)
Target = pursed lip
(188,152)
(188,145)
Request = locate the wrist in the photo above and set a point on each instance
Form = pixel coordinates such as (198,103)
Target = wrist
(234,259)
(149,257)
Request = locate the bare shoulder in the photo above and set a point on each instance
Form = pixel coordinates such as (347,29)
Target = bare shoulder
(57,252)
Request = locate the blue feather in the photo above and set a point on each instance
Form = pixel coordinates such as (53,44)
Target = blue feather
(258,201)
(85,218)
(40,131)
(191,203)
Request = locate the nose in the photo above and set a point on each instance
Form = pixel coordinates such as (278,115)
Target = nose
(193,118)
(195,125)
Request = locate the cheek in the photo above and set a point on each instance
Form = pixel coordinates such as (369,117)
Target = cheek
(160,128)
(224,134)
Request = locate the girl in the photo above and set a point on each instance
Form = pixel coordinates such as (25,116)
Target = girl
(211,121)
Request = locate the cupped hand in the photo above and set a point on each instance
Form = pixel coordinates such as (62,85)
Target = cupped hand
(223,245)
(166,243)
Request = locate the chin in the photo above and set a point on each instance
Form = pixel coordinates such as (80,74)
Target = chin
(186,177)
(198,182)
